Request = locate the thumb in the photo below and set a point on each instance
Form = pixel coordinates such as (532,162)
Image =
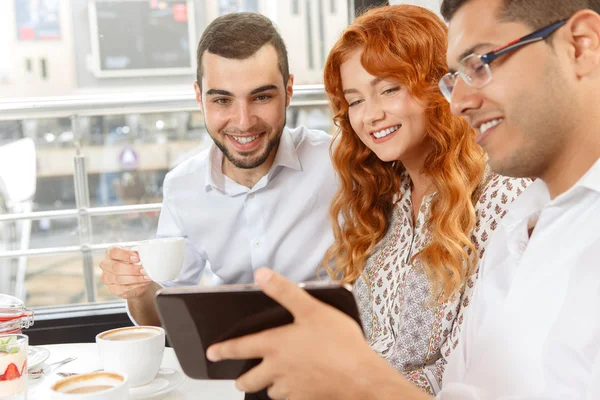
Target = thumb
(295,299)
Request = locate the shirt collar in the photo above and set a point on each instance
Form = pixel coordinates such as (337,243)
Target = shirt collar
(591,179)
(286,156)
(214,170)
(530,204)
(405,192)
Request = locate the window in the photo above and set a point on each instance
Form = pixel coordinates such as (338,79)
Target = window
(321,25)
(28,66)
(43,69)
(309,35)
(131,115)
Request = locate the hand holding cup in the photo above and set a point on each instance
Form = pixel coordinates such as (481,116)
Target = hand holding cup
(128,272)
(122,274)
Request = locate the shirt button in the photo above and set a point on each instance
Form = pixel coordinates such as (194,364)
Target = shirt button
(523,246)
(257,244)
(251,195)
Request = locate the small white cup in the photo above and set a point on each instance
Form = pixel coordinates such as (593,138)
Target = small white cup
(92,386)
(162,259)
(135,352)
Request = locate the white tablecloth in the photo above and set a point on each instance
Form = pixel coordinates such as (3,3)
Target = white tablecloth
(87,360)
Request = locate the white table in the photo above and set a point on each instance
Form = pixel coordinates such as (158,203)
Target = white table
(88,360)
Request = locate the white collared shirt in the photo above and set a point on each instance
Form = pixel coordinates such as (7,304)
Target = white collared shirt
(282,222)
(533,331)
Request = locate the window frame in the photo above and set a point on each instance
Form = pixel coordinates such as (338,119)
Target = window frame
(94,317)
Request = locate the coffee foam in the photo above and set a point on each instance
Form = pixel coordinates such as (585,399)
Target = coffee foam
(124,332)
(85,380)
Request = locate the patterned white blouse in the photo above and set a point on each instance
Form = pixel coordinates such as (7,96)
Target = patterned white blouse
(399,320)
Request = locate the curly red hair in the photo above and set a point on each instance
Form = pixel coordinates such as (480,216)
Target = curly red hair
(408,44)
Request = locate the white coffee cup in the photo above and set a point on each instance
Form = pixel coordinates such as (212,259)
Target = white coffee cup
(92,386)
(135,352)
(162,259)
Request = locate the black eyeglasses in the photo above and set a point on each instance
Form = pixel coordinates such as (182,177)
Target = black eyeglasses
(475,70)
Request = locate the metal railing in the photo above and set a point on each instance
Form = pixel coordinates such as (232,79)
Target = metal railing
(75,212)
(76,107)
(47,251)
(127,103)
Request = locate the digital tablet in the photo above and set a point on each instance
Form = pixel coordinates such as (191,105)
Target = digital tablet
(196,317)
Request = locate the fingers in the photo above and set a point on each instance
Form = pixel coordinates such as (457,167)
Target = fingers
(112,279)
(123,279)
(120,268)
(256,379)
(121,276)
(128,291)
(126,287)
(257,345)
(296,300)
(277,391)
(122,254)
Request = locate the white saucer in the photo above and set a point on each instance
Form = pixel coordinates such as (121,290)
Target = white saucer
(36,356)
(167,380)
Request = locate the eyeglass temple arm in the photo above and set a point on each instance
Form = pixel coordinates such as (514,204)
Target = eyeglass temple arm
(533,37)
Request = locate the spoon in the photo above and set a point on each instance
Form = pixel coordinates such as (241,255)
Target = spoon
(65,374)
(49,368)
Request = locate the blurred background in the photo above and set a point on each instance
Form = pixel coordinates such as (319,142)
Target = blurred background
(97,105)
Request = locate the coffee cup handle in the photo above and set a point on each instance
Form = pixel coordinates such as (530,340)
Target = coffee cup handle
(136,248)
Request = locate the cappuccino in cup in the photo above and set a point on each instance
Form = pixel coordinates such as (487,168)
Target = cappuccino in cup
(92,386)
(135,352)
(89,389)
(130,335)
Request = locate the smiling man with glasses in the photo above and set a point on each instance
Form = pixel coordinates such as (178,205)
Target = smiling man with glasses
(533,329)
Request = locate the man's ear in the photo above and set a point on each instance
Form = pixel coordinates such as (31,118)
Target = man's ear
(289,89)
(584,34)
(198,93)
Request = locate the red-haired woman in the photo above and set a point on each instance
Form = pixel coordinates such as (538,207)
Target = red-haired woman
(417,203)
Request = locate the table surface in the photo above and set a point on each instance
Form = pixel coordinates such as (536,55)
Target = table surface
(88,360)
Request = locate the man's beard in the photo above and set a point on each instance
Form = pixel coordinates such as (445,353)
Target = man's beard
(254,161)
(249,163)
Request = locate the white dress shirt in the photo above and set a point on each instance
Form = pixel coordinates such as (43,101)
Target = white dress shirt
(282,222)
(533,331)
